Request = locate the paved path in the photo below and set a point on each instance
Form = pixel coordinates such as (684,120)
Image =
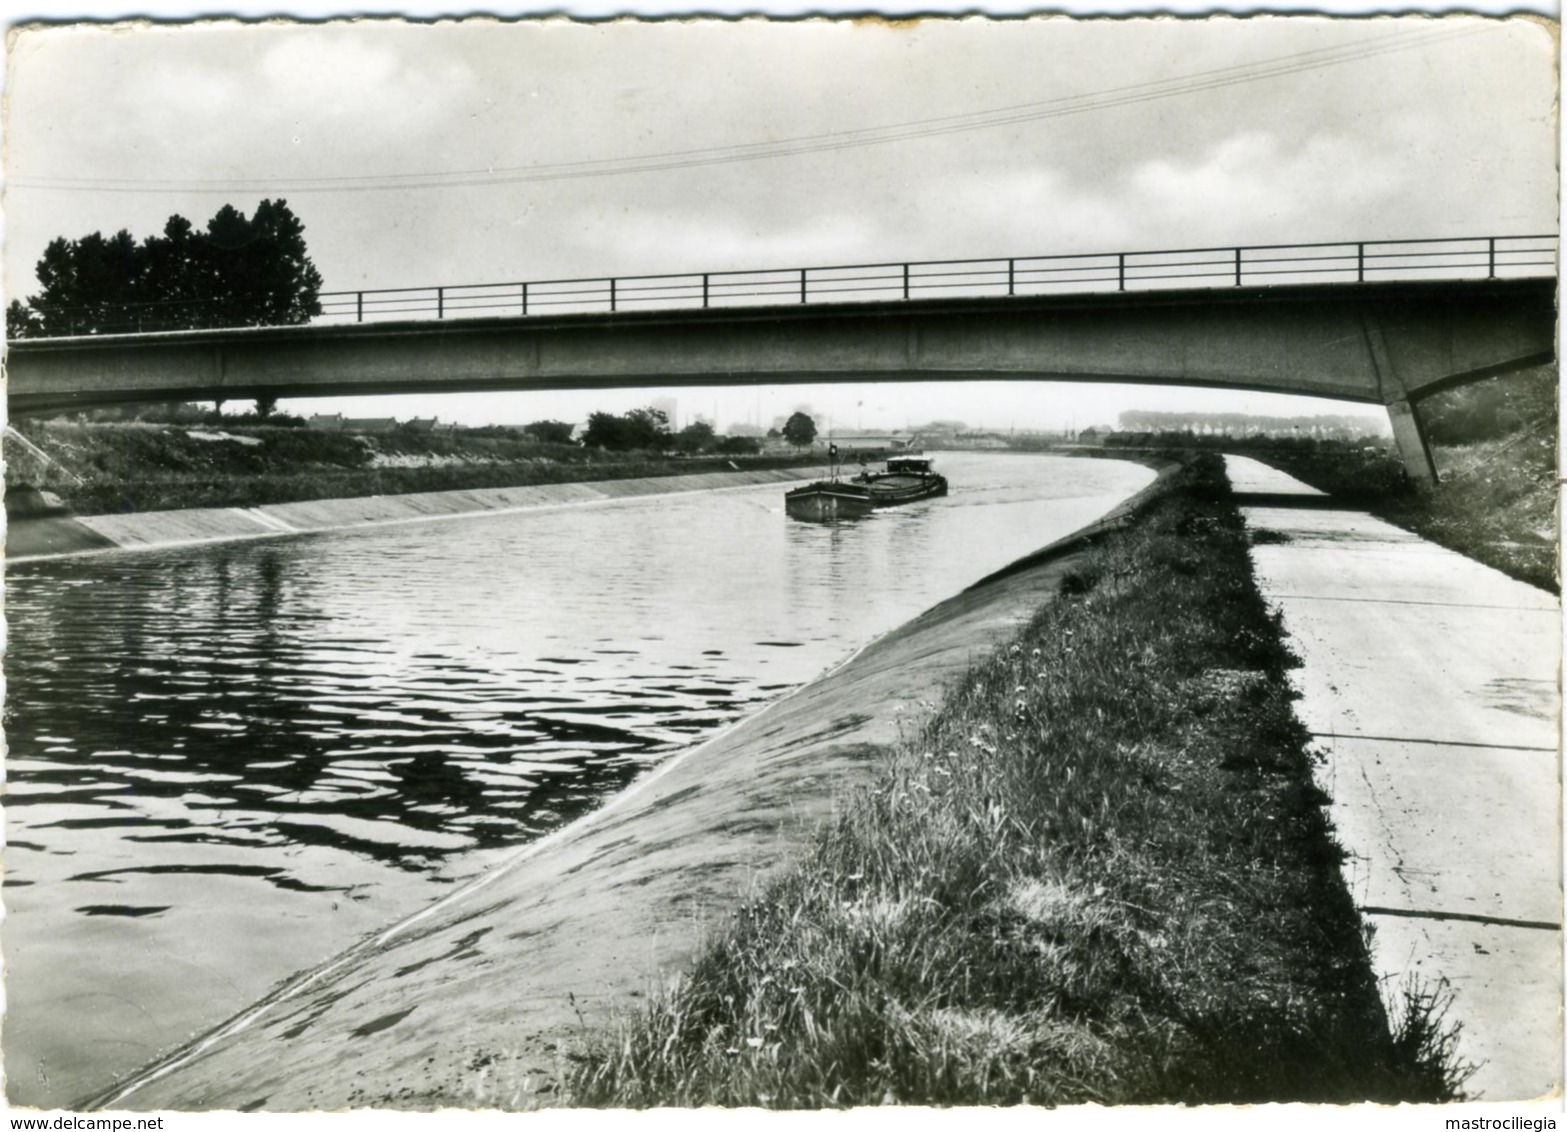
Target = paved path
(1430,684)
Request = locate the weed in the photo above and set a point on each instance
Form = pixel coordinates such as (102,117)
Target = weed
(1427,1041)
(1268,537)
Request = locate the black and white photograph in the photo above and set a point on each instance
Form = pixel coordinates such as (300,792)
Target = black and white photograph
(877,560)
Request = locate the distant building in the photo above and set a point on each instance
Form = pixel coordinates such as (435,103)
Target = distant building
(421,424)
(370,424)
(866,442)
(336,422)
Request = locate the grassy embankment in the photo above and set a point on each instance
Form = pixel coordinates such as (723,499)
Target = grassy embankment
(1495,447)
(1496,502)
(117,468)
(1101,873)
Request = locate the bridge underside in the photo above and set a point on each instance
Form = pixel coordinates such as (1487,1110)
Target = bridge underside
(1388,344)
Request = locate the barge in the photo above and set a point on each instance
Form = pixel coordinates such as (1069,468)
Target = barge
(905,480)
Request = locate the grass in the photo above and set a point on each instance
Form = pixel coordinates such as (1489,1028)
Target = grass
(1494,443)
(118,468)
(1101,873)
(1496,502)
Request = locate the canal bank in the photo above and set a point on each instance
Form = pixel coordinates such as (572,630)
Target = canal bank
(474,1000)
(38,530)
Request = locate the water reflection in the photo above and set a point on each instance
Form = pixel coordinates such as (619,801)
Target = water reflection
(228,762)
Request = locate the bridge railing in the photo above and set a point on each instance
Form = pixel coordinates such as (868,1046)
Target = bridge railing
(1482,257)
(1486,257)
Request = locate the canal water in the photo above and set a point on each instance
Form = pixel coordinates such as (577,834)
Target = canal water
(227,763)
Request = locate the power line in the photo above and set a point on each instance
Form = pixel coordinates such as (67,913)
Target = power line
(1060,107)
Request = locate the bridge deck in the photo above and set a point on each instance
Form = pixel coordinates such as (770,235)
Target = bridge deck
(1370,342)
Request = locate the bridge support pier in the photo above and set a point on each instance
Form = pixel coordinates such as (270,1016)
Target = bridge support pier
(1412,445)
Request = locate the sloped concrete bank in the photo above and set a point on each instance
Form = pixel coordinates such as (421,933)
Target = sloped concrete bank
(38,525)
(56,535)
(475,1000)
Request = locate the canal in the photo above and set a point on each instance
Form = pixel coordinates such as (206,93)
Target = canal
(229,762)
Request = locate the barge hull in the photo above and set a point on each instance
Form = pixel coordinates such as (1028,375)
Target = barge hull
(826,502)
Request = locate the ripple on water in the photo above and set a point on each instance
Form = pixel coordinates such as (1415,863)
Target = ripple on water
(225,740)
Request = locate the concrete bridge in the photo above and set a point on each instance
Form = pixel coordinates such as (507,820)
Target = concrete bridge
(1390,342)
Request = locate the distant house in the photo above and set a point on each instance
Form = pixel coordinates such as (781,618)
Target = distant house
(421,424)
(337,422)
(369,424)
(870,442)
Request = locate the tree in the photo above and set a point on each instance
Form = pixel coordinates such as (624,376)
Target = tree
(640,428)
(605,430)
(179,268)
(22,321)
(739,446)
(549,432)
(240,271)
(259,273)
(648,428)
(266,405)
(695,437)
(799,430)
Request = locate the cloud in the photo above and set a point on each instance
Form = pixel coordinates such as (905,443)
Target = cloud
(199,90)
(335,69)
(1252,185)
(675,239)
(1023,212)
(1419,147)
(374,89)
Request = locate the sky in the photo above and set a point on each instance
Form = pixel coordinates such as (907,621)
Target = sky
(479,150)
(1450,136)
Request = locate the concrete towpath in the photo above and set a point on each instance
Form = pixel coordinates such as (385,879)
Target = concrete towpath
(1430,685)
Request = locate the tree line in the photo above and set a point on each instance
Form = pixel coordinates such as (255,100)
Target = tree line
(237,271)
(256,271)
(649,429)
(1244,424)
(645,429)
